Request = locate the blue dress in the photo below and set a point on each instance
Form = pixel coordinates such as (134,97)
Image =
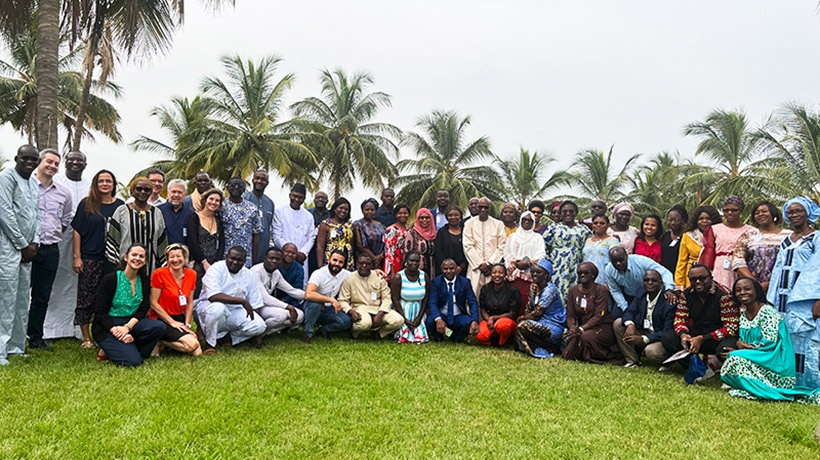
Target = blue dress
(793,288)
(541,336)
(597,252)
(565,249)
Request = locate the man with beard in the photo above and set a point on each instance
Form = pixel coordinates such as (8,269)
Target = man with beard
(321,306)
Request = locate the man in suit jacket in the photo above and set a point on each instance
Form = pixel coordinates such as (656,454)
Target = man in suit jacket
(440,211)
(453,305)
(644,322)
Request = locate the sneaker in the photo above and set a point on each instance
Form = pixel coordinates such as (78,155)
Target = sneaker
(708,375)
(664,369)
(725,387)
(4,362)
(632,365)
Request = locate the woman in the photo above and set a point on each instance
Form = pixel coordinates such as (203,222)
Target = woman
(421,238)
(137,222)
(409,292)
(205,235)
(564,243)
(589,331)
(597,247)
(394,240)
(763,365)
(542,325)
(499,305)
(670,241)
(757,248)
(522,249)
(172,301)
(336,233)
(448,241)
(369,233)
(555,211)
(691,243)
(648,243)
(726,235)
(89,224)
(536,207)
(509,217)
(793,287)
(622,215)
(125,336)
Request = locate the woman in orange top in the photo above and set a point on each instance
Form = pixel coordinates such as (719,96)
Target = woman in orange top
(172,301)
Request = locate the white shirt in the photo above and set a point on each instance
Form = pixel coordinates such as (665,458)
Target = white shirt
(79,188)
(218,279)
(160,200)
(327,284)
(293,226)
(270,281)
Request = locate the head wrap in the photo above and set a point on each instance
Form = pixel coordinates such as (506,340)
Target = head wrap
(555,203)
(428,233)
(811,208)
(370,200)
(546,265)
(622,206)
(592,267)
(735,200)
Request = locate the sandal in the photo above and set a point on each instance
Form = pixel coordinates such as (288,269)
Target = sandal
(88,344)
(101,356)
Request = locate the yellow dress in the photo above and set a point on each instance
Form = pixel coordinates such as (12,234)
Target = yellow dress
(690,247)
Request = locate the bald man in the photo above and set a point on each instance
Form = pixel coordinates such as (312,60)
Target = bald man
(484,239)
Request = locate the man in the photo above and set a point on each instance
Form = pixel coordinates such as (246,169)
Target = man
(230,302)
(294,224)
(175,212)
(292,271)
(264,207)
(707,318)
(453,306)
(157,179)
(483,241)
(472,207)
(595,208)
(56,212)
(320,214)
(277,314)
(624,276)
(648,317)
(385,212)
(19,238)
(240,220)
(320,304)
(59,320)
(440,211)
(202,182)
(365,296)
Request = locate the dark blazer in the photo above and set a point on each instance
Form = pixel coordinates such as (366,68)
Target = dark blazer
(465,297)
(663,316)
(102,323)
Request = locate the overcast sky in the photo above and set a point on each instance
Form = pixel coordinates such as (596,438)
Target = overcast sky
(552,76)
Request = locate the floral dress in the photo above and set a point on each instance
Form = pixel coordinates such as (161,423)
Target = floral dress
(339,237)
(393,245)
(541,337)
(597,252)
(412,293)
(564,246)
(757,251)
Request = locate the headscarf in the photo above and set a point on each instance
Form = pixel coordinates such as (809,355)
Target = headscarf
(525,242)
(546,265)
(428,233)
(591,266)
(760,295)
(735,200)
(511,206)
(338,203)
(811,208)
(370,200)
(622,206)
(555,203)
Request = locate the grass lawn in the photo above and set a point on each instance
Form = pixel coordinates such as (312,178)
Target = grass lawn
(344,399)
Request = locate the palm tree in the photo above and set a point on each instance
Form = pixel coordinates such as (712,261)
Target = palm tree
(19,92)
(350,145)
(523,176)
(446,161)
(656,185)
(242,132)
(592,172)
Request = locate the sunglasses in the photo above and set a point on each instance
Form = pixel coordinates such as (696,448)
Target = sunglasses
(584,272)
(698,279)
(142,189)
(483,207)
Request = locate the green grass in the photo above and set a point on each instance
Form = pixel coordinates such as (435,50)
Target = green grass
(344,399)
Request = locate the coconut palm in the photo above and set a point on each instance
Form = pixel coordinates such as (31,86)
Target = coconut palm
(350,144)
(524,176)
(656,185)
(593,174)
(445,160)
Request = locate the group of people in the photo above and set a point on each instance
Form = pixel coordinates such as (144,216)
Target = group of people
(196,272)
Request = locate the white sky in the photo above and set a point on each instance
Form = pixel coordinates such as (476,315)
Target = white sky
(555,76)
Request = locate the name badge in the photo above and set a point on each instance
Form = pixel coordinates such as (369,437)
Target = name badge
(373,296)
(184,232)
(183,300)
(646,323)
(727,264)
(584,303)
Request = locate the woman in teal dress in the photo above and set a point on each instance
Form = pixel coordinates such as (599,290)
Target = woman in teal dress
(763,365)
(564,242)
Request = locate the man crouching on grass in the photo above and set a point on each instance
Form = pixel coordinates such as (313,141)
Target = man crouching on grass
(365,296)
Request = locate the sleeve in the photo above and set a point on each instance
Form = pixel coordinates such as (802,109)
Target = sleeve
(311,238)
(299,277)
(142,310)
(501,243)
(433,303)
(162,239)
(254,292)
(212,281)
(708,254)
(439,245)
(730,317)
(548,237)
(8,219)
(631,311)
(288,288)
(666,275)
(80,224)
(114,235)
(267,299)
(68,209)
(192,238)
(469,245)
(482,298)
(278,229)
(386,296)
(156,280)
(770,326)
(544,301)
(681,323)
(683,258)
(571,320)
(345,295)
(102,303)
(471,301)
(741,250)
(515,301)
(256,222)
(614,288)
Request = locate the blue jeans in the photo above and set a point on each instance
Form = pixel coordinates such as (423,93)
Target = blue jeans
(43,272)
(325,317)
(147,332)
(460,328)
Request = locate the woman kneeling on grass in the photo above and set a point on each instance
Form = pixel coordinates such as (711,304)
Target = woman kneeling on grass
(122,331)
(172,301)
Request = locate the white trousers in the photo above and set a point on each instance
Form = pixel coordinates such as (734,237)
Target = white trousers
(277,318)
(15,294)
(218,319)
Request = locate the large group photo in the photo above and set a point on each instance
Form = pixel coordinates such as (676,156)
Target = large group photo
(208,250)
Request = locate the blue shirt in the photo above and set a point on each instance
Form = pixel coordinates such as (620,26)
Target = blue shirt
(295,276)
(628,283)
(264,207)
(175,221)
(385,217)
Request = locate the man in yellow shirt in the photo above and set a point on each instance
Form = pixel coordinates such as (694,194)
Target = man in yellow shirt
(365,296)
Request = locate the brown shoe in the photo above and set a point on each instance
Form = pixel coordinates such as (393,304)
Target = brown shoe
(305,339)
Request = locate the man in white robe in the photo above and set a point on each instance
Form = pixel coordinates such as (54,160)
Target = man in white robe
(277,314)
(294,224)
(483,240)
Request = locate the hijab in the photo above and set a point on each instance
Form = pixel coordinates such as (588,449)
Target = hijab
(428,233)
(526,242)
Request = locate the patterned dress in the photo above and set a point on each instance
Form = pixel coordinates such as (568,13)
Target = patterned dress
(339,237)
(241,221)
(768,370)
(412,293)
(565,249)
(597,252)
(725,241)
(128,225)
(372,235)
(757,251)
(413,241)
(393,245)
(541,337)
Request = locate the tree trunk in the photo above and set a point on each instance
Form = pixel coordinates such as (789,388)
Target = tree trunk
(46,63)
(88,63)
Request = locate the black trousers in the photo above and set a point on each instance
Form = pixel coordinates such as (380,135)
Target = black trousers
(43,272)
(710,346)
(147,332)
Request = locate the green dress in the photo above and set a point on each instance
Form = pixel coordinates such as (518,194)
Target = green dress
(768,370)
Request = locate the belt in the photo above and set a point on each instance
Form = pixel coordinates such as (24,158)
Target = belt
(723,254)
(48,245)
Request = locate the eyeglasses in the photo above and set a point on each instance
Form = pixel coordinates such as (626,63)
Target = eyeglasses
(731,210)
(569,211)
(698,279)
(651,280)
(142,189)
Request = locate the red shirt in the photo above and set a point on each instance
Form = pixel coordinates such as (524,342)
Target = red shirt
(170,291)
(653,251)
